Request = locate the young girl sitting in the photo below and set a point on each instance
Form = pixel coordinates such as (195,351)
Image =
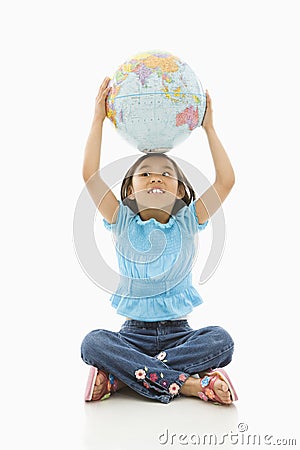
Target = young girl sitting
(156,352)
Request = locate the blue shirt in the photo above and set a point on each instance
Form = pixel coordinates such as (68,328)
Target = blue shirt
(155,262)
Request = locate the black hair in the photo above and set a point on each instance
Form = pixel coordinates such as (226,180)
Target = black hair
(189,193)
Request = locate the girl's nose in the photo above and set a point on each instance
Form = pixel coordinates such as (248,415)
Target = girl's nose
(155,177)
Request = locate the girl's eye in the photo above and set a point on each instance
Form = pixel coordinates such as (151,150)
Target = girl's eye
(146,174)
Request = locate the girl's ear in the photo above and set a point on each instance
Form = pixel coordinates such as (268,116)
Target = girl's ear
(131,195)
(180,191)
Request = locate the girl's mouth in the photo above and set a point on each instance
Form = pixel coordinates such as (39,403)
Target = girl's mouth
(155,191)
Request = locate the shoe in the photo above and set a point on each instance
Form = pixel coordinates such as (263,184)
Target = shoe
(110,385)
(207,381)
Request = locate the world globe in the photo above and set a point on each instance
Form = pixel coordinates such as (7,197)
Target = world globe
(155,101)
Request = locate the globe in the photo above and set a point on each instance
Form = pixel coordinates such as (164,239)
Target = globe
(156,101)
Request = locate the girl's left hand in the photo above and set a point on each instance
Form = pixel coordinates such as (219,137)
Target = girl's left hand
(208,119)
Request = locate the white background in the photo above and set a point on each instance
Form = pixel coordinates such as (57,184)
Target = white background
(54,56)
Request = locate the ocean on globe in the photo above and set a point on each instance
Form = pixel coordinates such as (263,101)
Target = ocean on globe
(156,101)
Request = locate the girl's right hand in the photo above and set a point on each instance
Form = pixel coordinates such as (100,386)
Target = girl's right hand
(100,108)
(208,116)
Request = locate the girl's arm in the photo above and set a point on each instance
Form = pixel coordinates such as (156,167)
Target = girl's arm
(212,199)
(101,194)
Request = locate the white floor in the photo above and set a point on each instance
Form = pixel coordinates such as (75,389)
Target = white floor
(127,421)
(43,406)
(57,418)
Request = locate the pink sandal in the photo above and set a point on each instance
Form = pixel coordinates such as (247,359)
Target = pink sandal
(207,383)
(110,385)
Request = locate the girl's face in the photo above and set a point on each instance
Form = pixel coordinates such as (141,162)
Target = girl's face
(154,183)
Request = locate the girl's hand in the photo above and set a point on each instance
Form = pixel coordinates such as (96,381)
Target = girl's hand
(208,119)
(100,108)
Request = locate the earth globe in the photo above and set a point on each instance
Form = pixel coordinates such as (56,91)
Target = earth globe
(155,101)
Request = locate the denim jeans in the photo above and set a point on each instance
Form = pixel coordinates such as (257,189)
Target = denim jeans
(155,358)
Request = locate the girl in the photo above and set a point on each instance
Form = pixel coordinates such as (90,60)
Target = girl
(156,352)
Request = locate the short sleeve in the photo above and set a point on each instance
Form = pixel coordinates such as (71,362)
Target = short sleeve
(187,218)
(108,225)
(124,214)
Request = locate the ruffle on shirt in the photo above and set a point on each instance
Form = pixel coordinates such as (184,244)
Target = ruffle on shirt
(125,215)
(169,224)
(157,308)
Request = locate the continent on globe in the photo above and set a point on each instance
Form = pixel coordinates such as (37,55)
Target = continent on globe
(189,116)
(156,101)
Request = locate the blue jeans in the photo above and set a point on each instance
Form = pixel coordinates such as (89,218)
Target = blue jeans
(155,358)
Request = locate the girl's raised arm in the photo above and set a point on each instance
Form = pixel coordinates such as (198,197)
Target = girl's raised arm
(101,194)
(214,196)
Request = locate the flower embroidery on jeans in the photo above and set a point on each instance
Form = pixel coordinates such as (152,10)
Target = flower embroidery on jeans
(164,383)
(174,388)
(182,377)
(140,374)
(153,377)
(162,356)
(158,380)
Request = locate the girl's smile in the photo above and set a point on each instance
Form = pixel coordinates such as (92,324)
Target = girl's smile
(155,188)
(155,191)
(156,177)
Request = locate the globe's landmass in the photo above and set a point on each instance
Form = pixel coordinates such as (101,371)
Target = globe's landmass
(156,101)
